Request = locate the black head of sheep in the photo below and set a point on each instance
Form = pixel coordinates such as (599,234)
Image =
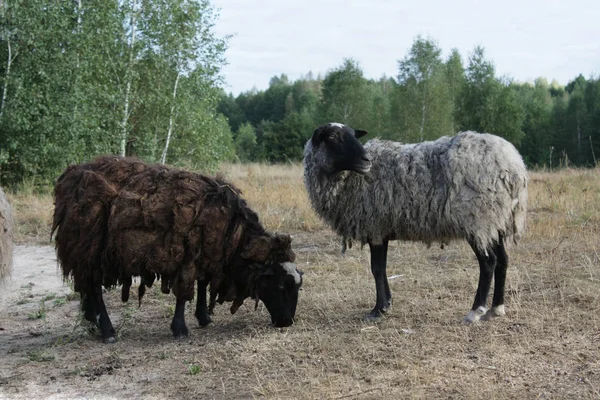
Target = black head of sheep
(277,287)
(338,149)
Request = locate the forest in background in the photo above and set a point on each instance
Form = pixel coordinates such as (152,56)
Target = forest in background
(432,96)
(138,77)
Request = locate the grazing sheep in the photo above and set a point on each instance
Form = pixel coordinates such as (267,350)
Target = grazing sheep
(471,186)
(117,218)
(6,234)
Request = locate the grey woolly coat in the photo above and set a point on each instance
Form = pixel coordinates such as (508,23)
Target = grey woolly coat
(471,186)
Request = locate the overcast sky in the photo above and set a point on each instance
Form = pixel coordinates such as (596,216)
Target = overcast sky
(524,38)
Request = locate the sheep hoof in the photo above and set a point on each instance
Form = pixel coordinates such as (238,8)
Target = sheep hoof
(181,333)
(110,339)
(494,312)
(203,321)
(180,336)
(374,315)
(475,315)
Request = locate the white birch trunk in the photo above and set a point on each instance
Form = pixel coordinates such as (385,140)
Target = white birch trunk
(77,63)
(347,112)
(9,61)
(422,121)
(128,78)
(163,158)
(79,6)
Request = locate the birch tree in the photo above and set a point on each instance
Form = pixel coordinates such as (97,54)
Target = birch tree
(488,103)
(345,96)
(181,42)
(424,96)
(131,9)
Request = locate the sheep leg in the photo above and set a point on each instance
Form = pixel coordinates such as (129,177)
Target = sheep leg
(497,309)
(487,265)
(382,288)
(127,280)
(106,328)
(201,310)
(180,331)
(87,306)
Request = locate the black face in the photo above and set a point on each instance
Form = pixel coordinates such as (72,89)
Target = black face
(278,288)
(344,151)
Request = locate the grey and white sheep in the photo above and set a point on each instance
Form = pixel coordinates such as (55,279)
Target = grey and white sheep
(6,234)
(471,186)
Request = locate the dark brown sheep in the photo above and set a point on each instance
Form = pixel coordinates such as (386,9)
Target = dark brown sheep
(6,233)
(117,218)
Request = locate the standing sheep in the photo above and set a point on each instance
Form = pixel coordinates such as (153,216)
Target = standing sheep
(6,233)
(471,186)
(117,218)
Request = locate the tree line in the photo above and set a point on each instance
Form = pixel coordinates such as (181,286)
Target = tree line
(140,77)
(430,97)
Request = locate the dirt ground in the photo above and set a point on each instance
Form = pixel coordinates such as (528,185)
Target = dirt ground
(546,346)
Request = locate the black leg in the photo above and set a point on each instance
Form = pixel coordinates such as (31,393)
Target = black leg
(106,328)
(125,289)
(201,311)
(382,288)
(487,264)
(87,306)
(497,309)
(500,273)
(178,327)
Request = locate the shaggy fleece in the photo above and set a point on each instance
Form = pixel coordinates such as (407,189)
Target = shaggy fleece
(471,186)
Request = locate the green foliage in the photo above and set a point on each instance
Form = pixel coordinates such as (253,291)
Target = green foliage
(40,313)
(424,99)
(487,103)
(40,356)
(90,78)
(537,104)
(345,96)
(431,97)
(194,369)
(284,141)
(81,79)
(245,143)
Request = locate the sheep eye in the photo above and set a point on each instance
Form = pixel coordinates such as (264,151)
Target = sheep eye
(332,137)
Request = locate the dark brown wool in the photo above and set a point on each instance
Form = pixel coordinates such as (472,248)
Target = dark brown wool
(126,218)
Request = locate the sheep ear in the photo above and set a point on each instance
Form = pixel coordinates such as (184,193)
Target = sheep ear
(284,240)
(282,248)
(316,138)
(358,133)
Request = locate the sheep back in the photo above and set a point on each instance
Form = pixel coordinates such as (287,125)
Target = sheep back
(6,236)
(470,186)
(165,222)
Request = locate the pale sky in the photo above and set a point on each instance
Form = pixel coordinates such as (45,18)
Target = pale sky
(524,38)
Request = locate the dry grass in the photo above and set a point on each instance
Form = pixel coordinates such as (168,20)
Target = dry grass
(33,216)
(276,193)
(546,346)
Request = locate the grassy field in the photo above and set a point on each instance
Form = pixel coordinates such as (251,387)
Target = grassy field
(545,347)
